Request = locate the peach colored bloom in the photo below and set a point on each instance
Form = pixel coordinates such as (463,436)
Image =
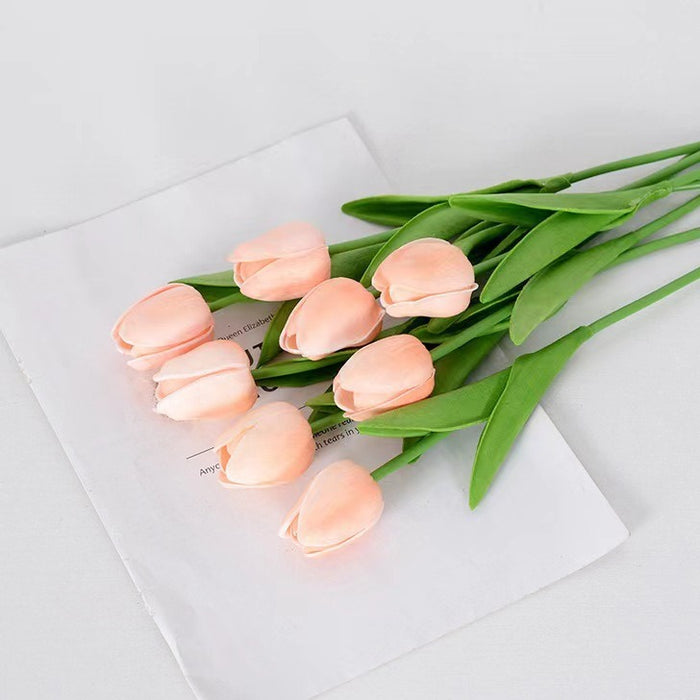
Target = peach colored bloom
(338,313)
(340,504)
(389,373)
(213,381)
(167,322)
(284,263)
(427,277)
(268,445)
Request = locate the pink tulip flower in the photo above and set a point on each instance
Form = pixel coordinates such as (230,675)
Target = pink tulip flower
(168,322)
(213,381)
(269,445)
(284,263)
(338,313)
(341,503)
(389,373)
(427,277)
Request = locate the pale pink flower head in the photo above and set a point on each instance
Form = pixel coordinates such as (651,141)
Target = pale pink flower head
(282,264)
(389,373)
(164,324)
(427,277)
(341,503)
(338,313)
(269,445)
(213,381)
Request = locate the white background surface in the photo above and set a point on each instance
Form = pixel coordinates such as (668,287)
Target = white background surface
(103,105)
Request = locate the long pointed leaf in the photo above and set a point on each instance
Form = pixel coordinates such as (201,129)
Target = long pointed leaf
(444,413)
(548,290)
(529,378)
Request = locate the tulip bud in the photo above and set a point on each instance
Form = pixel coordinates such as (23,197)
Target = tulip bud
(213,381)
(284,263)
(389,373)
(269,445)
(426,277)
(166,323)
(340,504)
(338,313)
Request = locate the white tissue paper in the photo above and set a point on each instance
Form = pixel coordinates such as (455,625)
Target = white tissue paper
(244,613)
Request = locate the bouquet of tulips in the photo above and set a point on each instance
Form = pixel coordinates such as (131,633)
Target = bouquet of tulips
(454,274)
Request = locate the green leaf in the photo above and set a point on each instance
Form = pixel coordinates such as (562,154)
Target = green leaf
(353,263)
(542,245)
(484,326)
(452,370)
(326,399)
(511,239)
(528,379)
(613,202)
(468,243)
(396,210)
(271,342)
(305,378)
(214,279)
(390,209)
(299,365)
(440,221)
(548,290)
(447,412)
(363,242)
(221,297)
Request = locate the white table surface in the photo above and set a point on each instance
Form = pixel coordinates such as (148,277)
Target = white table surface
(104,104)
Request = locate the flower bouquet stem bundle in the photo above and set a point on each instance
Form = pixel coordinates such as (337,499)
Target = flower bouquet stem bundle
(457,274)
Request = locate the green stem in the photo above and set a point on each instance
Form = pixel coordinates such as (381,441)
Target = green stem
(653,246)
(665,173)
(363,242)
(486,326)
(488,264)
(648,299)
(467,245)
(327,421)
(408,455)
(223,302)
(301,364)
(633,162)
(508,242)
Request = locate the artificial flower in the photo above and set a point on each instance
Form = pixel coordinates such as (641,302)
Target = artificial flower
(389,373)
(341,503)
(338,313)
(284,263)
(164,324)
(269,445)
(212,381)
(427,277)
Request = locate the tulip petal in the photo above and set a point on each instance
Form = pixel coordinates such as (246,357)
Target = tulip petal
(427,277)
(169,316)
(156,359)
(342,502)
(338,313)
(412,395)
(284,278)
(208,358)
(221,395)
(435,306)
(288,239)
(269,445)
